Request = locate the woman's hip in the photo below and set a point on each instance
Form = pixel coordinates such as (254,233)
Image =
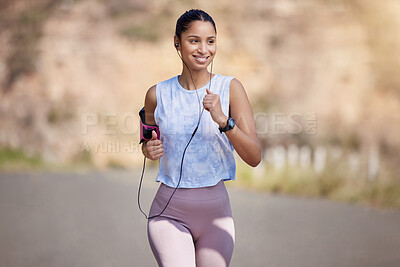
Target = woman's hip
(212,201)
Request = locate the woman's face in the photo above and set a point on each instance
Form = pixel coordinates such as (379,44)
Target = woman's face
(198,44)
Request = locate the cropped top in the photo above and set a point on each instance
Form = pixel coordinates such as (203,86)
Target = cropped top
(209,157)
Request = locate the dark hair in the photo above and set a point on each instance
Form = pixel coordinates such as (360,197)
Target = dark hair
(183,23)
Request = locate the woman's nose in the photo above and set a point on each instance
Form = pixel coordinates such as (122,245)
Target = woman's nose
(202,48)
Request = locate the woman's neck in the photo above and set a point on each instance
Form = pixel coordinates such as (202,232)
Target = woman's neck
(200,78)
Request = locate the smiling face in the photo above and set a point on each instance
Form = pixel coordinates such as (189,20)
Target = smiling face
(198,44)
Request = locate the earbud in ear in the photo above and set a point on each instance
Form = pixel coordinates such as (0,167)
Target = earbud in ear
(176,45)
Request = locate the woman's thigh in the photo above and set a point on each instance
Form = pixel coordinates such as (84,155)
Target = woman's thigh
(171,243)
(215,246)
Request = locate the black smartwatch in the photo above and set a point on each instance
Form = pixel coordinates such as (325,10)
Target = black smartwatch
(229,125)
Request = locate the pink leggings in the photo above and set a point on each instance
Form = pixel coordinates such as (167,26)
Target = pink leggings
(196,229)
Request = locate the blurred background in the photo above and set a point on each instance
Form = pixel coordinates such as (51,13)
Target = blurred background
(322,78)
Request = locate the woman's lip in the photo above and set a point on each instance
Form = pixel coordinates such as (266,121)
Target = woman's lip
(200,58)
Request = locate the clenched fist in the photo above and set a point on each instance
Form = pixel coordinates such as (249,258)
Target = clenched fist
(153,149)
(212,103)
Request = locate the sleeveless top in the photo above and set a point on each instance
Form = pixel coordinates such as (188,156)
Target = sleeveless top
(209,157)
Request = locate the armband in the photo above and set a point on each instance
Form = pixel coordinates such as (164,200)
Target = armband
(145,130)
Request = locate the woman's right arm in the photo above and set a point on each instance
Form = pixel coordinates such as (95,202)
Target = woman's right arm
(152,149)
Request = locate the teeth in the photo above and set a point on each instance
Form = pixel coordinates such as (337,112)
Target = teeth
(203,59)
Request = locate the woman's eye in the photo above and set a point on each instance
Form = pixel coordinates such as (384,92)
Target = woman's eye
(193,41)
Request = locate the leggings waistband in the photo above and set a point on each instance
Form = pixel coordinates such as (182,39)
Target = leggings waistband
(203,193)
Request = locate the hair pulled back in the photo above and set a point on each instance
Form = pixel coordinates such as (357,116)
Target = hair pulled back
(183,23)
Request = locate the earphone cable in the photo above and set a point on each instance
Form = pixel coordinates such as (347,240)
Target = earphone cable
(184,151)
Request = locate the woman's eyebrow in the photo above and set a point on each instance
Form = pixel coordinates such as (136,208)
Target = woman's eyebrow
(195,36)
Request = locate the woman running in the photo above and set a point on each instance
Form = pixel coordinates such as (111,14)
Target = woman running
(195,227)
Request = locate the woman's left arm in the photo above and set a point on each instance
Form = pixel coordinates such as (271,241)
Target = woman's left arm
(243,136)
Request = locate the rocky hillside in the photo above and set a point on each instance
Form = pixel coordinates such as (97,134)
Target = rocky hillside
(73,74)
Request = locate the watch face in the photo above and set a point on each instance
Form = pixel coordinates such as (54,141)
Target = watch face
(229,126)
(231,123)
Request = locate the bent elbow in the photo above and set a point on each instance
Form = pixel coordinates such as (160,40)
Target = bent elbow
(258,158)
(255,162)
(254,157)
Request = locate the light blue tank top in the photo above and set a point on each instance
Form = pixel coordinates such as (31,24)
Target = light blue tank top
(209,157)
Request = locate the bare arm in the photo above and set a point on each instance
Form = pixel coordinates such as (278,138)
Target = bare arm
(243,136)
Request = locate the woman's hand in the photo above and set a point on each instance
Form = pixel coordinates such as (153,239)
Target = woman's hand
(212,103)
(154,147)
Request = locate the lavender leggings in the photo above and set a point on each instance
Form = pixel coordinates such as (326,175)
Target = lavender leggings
(196,229)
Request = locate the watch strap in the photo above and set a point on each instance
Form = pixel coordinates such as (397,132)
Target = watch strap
(230,123)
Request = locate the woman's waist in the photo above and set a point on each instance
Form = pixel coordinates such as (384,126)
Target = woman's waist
(207,193)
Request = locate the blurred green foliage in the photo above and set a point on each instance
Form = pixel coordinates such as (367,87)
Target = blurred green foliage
(17,160)
(14,159)
(334,183)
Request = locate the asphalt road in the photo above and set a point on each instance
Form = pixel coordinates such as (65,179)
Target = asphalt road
(92,219)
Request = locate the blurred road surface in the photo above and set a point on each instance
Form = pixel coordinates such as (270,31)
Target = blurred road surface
(92,219)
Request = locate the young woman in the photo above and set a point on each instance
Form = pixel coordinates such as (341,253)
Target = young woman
(196,228)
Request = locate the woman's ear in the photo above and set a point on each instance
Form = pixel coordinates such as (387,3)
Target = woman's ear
(176,42)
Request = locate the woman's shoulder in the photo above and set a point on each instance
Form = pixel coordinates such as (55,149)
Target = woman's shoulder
(233,82)
(236,84)
(151,92)
(236,88)
(151,98)
(222,76)
(222,81)
(167,81)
